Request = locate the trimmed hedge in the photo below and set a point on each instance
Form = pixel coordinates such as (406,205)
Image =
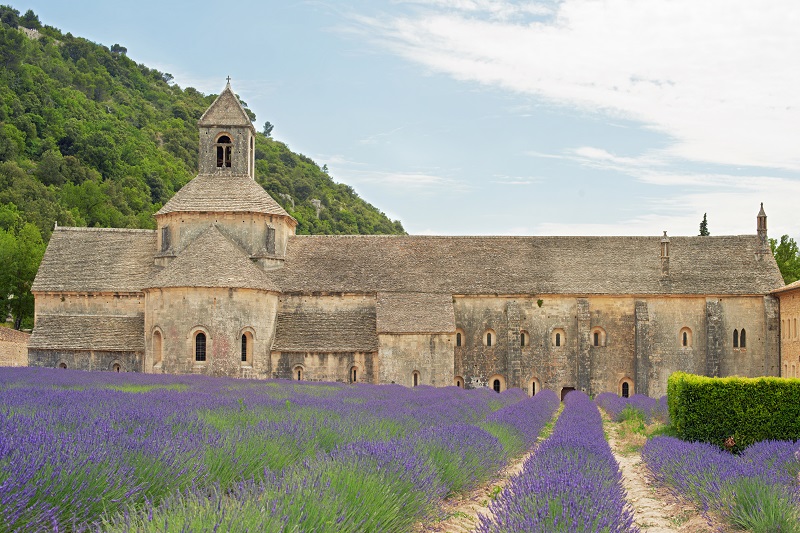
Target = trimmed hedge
(748,409)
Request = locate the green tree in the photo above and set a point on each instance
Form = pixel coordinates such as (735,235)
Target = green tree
(268,129)
(704,227)
(20,254)
(30,20)
(788,258)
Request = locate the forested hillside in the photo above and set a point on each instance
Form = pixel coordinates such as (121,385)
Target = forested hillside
(88,137)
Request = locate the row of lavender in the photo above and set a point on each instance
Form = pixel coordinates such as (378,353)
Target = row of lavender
(85,451)
(571,483)
(757,490)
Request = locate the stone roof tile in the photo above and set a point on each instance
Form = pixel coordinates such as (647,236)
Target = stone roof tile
(222,193)
(316,330)
(414,313)
(88,332)
(13,335)
(97,260)
(213,260)
(226,110)
(525,265)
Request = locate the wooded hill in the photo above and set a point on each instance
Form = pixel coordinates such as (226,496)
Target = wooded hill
(88,137)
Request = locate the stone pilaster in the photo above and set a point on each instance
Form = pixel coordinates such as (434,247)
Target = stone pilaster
(514,354)
(715,336)
(644,344)
(583,363)
(772,343)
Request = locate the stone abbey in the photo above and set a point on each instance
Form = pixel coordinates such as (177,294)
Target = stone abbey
(225,287)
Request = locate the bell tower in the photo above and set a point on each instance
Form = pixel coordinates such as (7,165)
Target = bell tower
(227,137)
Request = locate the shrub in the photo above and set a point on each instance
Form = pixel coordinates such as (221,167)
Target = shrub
(741,411)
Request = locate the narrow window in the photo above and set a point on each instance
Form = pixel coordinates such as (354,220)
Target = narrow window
(353,375)
(458,339)
(558,339)
(625,389)
(165,238)
(533,388)
(496,385)
(224,149)
(200,347)
(685,340)
(220,156)
(415,379)
(227,156)
(299,375)
(244,347)
(488,339)
(522,340)
(743,339)
(157,347)
(596,338)
(116,367)
(736,338)
(270,240)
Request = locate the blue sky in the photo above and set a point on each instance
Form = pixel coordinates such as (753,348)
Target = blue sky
(481,117)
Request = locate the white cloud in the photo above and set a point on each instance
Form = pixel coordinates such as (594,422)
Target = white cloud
(406,181)
(718,76)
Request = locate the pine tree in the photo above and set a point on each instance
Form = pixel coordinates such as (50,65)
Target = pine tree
(704,227)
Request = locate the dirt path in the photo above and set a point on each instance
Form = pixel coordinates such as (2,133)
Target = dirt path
(460,513)
(656,510)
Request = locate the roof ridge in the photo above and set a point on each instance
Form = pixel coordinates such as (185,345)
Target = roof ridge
(110,230)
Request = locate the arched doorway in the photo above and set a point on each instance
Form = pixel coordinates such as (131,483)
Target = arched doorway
(565,391)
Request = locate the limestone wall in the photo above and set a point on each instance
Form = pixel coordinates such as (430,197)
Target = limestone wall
(87,360)
(790,337)
(223,315)
(126,304)
(430,356)
(241,156)
(249,230)
(325,366)
(13,347)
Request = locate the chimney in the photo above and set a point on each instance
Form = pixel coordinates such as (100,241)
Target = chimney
(761,229)
(665,256)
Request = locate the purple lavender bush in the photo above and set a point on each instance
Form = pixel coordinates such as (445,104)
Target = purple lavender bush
(756,490)
(571,483)
(619,408)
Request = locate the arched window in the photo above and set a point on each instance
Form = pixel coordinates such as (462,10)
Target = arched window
(497,382)
(244,347)
(522,339)
(224,149)
(558,338)
(533,387)
(459,382)
(354,374)
(496,385)
(625,390)
(116,367)
(200,346)
(686,338)
(157,348)
(743,339)
(458,338)
(489,338)
(298,373)
(62,365)
(736,338)
(415,379)
(625,387)
(598,336)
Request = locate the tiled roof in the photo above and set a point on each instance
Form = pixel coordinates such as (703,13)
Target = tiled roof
(88,332)
(526,265)
(314,330)
(789,287)
(414,313)
(213,260)
(99,260)
(225,111)
(13,335)
(222,193)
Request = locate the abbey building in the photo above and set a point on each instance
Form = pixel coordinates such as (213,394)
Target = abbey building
(225,287)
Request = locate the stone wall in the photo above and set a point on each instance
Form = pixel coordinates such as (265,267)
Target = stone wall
(92,303)
(87,360)
(223,315)
(325,366)
(13,347)
(241,153)
(790,337)
(428,355)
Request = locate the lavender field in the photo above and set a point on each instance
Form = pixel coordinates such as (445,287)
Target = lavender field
(130,452)
(84,451)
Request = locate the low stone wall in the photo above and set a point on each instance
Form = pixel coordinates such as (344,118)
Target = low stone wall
(13,347)
(87,360)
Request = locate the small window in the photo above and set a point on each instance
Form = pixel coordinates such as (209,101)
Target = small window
(533,387)
(157,348)
(459,382)
(244,348)
(200,347)
(743,339)
(489,338)
(625,390)
(686,338)
(62,365)
(354,374)
(115,367)
(625,387)
(598,336)
(458,339)
(415,379)
(299,374)
(224,149)
(270,243)
(736,338)
(558,338)
(165,238)
(496,385)
(522,339)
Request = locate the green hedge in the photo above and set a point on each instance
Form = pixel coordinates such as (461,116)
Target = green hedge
(747,409)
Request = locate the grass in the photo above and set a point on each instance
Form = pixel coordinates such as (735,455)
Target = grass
(138,389)
(758,507)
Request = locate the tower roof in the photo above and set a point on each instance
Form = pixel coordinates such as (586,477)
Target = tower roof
(225,111)
(213,260)
(223,194)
